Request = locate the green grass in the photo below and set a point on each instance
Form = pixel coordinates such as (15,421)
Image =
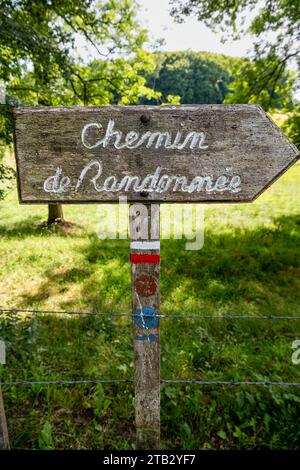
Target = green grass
(249,264)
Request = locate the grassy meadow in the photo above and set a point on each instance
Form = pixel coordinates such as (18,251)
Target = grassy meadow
(250,264)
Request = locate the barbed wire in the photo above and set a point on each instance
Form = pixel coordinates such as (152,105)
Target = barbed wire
(166,381)
(231,382)
(50,370)
(132,315)
(64,382)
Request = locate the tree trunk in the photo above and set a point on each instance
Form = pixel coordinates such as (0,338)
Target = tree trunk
(55,214)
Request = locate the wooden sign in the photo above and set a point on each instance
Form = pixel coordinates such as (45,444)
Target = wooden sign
(208,153)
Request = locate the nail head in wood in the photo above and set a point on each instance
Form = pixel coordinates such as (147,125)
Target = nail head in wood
(145,118)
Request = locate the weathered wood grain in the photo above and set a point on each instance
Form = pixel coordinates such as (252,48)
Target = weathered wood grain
(145,269)
(234,142)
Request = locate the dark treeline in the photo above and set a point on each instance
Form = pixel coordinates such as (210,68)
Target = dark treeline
(196,77)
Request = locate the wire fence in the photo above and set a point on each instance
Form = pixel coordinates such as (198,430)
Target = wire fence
(167,381)
(132,315)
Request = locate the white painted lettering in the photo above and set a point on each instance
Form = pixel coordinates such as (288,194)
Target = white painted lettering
(155,182)
(56,184)
(134,139)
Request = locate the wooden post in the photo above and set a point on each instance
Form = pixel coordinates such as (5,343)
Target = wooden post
(145,267)
(4,442)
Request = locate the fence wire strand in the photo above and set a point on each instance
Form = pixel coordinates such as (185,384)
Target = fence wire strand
(168,381)
(130,315)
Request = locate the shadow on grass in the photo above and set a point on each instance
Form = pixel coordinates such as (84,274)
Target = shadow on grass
(258,269)
(24,228)
(103,280)
(32,226)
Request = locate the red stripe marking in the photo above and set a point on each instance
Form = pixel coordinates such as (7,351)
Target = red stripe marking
(137,258)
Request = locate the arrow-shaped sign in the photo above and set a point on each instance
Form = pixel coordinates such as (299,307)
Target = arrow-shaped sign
(208,153)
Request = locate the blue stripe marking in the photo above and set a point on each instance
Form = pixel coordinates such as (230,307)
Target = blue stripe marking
(150,338)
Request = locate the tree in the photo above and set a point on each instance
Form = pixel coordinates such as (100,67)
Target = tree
(204,77)
(101,82)
(253,85)
(291,126)
(39,64)
(274,23)
(197,77)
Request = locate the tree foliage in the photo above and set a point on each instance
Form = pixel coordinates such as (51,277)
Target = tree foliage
(291,126)
(275,25)
(101,82)
(7,174)
(43,34)
(255,83)
(281,17)
(196,77)
(40,62)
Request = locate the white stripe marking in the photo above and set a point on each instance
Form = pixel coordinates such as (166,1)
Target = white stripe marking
(145,245)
